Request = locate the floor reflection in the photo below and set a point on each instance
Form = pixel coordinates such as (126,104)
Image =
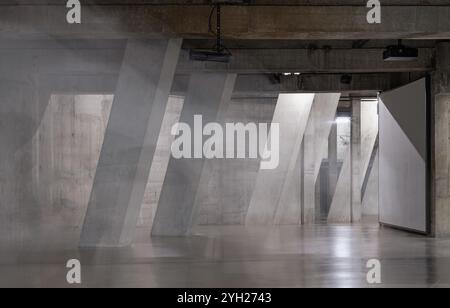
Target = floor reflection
(308,256)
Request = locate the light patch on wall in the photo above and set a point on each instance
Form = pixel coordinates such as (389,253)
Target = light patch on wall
(66,149)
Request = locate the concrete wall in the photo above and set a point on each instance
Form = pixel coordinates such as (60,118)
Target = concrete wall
(47,179)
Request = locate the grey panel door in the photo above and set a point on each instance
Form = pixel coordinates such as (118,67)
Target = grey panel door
(404,157)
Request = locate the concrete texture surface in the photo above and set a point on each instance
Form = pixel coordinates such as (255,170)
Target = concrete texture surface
(369,134)
(130,142)
(340,209)
(370,205)
(356,175)
(224,196)
(206,93)
(291,113)
(242,22)
(320,122)
(441,99)
(66,149)
(160,162)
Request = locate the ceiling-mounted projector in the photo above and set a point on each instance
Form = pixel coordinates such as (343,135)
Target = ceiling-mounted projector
(210,56)
(400,52)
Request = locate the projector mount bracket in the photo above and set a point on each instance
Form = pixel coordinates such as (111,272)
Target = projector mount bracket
(219,46)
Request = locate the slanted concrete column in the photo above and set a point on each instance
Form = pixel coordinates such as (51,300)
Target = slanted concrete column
(340,209)
(289,208)
(440,100)
(206,93)
(140,101)
(316,147)
(333,170)
(309,167)
(292,112)
(369,159)
(356,160)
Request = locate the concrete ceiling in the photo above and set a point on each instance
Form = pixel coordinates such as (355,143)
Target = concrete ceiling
(246,2)
(283,20)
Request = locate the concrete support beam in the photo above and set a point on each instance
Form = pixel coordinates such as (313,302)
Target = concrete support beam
(292,112)
(341,207)
(250,61)
(269,85)
(440,212)
(215,168)
(255,2)
(240,22)
(289,209)
(50,57)
(333,170)
(369,134)
(322,115)
(174,216)
(356,160)
(316,148)
(370,205)
(139,104)
(369,158)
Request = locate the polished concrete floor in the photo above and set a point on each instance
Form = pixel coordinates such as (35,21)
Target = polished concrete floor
(308,256)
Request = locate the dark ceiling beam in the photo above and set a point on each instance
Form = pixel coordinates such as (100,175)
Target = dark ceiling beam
(255,61)
(267,85)
(239,22)
(93,61)
(245,2)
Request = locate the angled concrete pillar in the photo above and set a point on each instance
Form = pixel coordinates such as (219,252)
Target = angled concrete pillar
(340,210)
(369,159)
(292,112)
(206,93)
(333,170)
(289,208)
(356,160)
(316,148)
(139,104)
(341,204)
(215,168)
(369,134)
(370,206)
(160,162)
